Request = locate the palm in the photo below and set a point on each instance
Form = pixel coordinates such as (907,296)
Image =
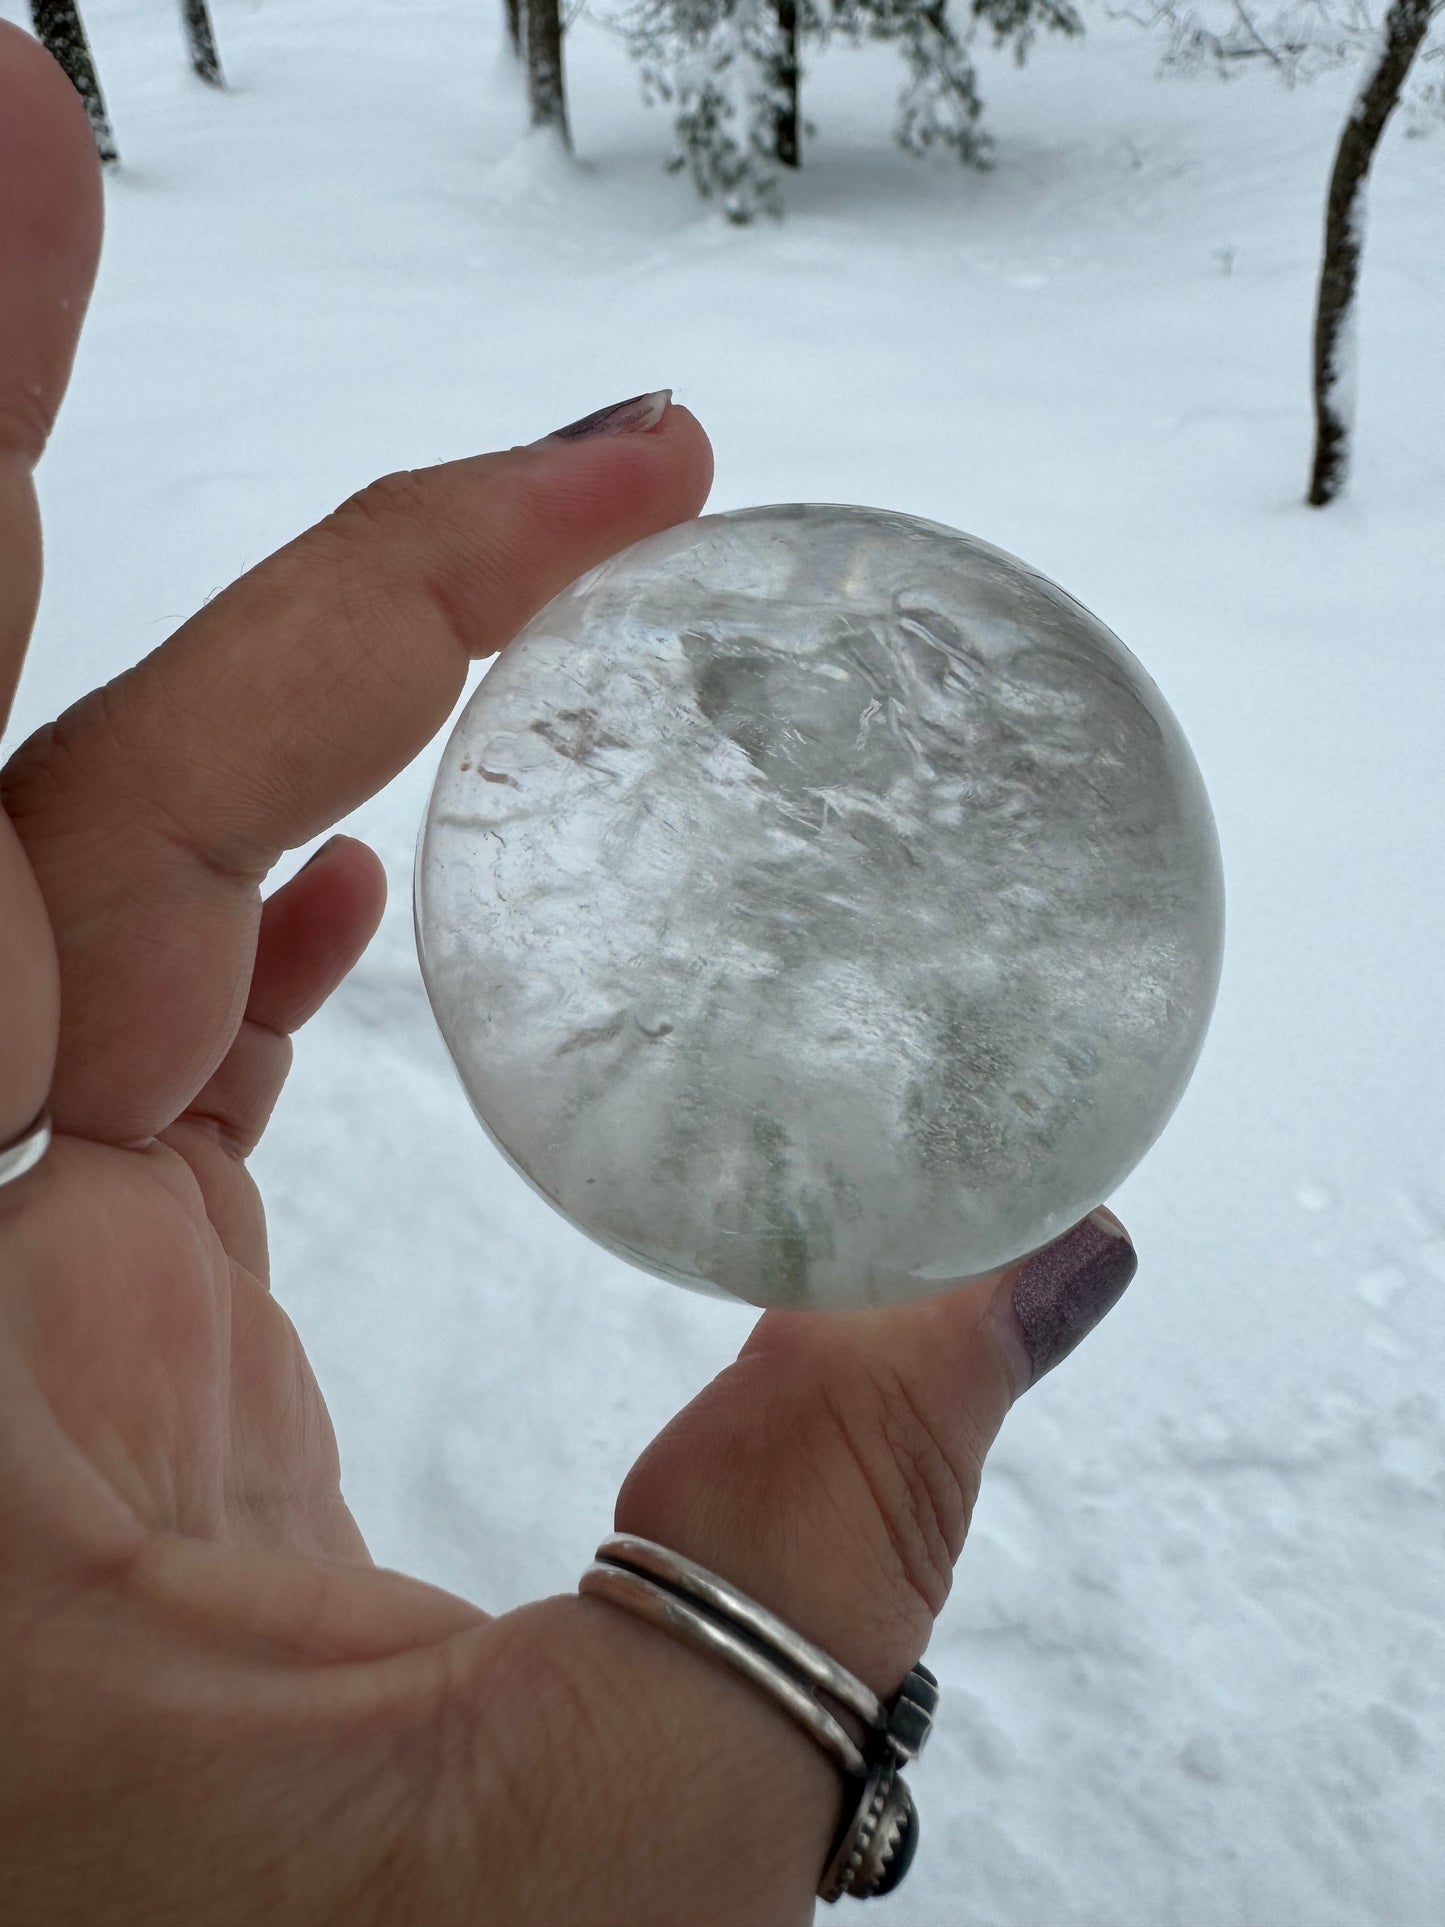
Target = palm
(197,1442)
(176,1377)
(204,1569)
(156,1345)
(170,1465)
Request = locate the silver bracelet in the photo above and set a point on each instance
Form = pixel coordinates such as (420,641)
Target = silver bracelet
(876,1844)
(23,1153)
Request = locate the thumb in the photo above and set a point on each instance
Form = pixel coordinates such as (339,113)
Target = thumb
(830,1473)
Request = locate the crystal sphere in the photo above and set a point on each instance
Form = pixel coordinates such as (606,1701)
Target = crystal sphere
(821,906)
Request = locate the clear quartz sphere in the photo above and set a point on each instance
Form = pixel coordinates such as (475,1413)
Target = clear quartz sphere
(821,906)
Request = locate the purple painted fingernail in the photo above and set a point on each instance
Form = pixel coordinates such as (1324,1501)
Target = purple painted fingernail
(317,854)
(631,417)
(1065,1289)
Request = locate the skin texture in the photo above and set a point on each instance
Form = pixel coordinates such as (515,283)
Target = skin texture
(216,1708)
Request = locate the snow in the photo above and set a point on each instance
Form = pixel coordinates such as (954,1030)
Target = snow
(1193,1663)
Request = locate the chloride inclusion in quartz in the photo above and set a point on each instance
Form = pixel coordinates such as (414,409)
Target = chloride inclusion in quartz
(820,906)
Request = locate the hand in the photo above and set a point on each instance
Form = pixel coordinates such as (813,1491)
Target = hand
(215,1707)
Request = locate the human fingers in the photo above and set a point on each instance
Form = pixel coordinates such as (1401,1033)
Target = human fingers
(49,242)
(50,219)
(313,930)
(830,1473)
(152,810)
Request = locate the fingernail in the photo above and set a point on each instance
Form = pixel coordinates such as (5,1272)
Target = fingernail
(1065,1289)
(316,855)
(631,417)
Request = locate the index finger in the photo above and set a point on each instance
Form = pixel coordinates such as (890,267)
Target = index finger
(154,809)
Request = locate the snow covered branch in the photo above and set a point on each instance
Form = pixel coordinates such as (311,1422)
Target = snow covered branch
(732,71)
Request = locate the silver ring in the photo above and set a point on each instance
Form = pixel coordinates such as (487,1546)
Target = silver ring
(875,1846)
(23,1153)
(674,1615)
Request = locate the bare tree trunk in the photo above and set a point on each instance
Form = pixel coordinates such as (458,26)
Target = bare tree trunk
(1406,25)
(514,25)
(58,25)
(201,42)
(787,147)
(545,83)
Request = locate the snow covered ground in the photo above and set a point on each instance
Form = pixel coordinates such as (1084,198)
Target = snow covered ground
(1195,1660)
